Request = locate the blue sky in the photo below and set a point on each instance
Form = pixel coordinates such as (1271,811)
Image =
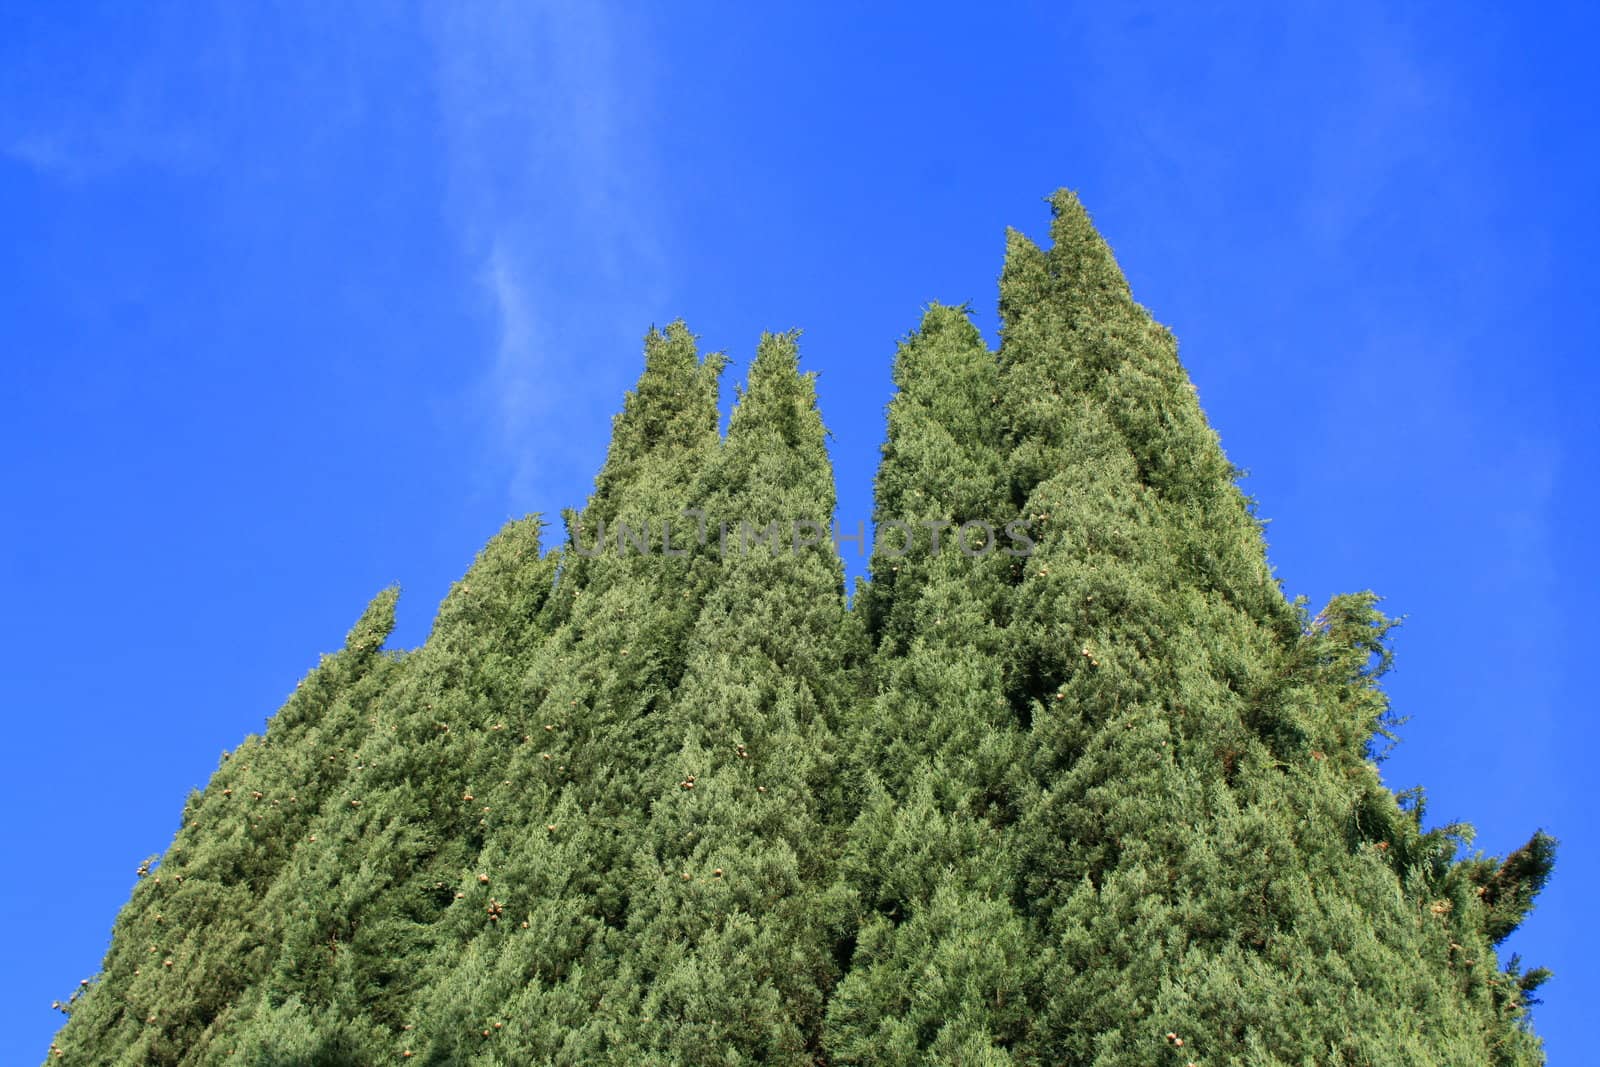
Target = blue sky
(298,304)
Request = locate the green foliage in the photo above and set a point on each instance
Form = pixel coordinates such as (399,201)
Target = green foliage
(658,796)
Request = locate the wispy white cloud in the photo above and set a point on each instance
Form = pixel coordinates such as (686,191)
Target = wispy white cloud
(544,115)
(519,402)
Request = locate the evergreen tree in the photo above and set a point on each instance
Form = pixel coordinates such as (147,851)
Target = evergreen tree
(196,938)
(378,889)
(539,930)
(733,928)
(943,967)
(1205,822)
(1073,784)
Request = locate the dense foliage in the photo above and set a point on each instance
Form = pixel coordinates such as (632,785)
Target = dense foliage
(1086,788)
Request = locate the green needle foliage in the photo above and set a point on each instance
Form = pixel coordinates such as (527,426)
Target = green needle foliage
(1073,782)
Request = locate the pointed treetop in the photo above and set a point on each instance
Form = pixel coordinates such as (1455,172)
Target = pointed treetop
(945,340)
(778,398)
(1508,894)
(942,449)
(1024,281)
(939,319)
(942,462)
(668,420)
(674,406)
(376,623)
(1079,253)
(1078,272)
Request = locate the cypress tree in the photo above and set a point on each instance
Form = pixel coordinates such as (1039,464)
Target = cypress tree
(733,946)
(942,970)
(375,892)
(1074,784)
(1206,820)
(195,938)
(540,928)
